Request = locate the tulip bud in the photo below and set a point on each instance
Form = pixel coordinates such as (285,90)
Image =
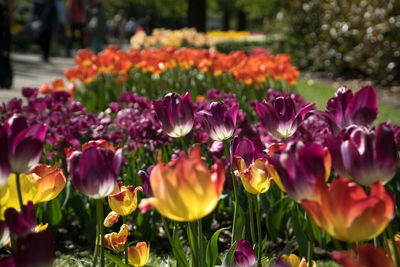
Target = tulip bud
(366,155)
(175,114)
(139,255)
(124,199)
(94,171)
(116,241)
(281,119)
(244,255)
(111,219)
(22,146)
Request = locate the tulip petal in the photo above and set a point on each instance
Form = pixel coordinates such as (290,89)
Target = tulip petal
(363,108)
(268,116)
(5,167)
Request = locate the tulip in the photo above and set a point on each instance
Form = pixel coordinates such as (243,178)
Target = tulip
(347,213)
(281,119)
(116,241)
(184,189)
(21,145)
(42,184)
(366,155)
(244,255)
(21,222)
(35,249)
(7,262)
(4,234)
(139,255)
(363,256)
(296,168)
(145,177)
(94,171)
(219,122)
(124,199)
(295,261)
(345,109)
(175,114)
(111,219)
(251,166)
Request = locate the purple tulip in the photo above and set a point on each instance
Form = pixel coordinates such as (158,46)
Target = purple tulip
(281,119)
(219,121)
(145,177)
(244,255)
(21,222)
(248,150)
(345,109)
(35,249)
(366,155)
(4,234)
(7,262)
(21,146)
(94,171)
(175,114)
(297,167)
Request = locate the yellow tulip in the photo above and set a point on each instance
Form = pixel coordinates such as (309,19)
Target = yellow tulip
(255,178)
(124,199)
(42,184)
(139,255)
(184,189)
(116,241)
(111,218)
(295,261)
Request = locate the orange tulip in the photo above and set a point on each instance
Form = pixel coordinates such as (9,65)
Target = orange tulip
(124,199)
(57,84)
(363,256)
(45,89)
(347,213)
(184,189)
(139,255)
(116,241)
(85,57)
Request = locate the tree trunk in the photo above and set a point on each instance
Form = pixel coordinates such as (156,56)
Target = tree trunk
(226,17)
(196,14)
(241,19)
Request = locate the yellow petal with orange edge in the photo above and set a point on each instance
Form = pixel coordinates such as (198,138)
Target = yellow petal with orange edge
(139,255)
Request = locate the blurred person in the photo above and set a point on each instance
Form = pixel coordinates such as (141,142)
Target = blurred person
(60,31)
(96,26)
(130,28)
(6,20)
(77,20)
(48,20)
(118,23)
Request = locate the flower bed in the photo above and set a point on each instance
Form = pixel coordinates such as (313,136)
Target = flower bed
(214,177)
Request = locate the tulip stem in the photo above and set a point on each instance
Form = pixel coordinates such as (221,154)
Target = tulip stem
(394,245)
(171,241)
(100,218)
(183,144)
(251,215)
(126,242)
(259,251)
(19,190)
(200,240)
(195,248)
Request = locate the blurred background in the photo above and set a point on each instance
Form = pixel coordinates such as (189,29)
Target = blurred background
(351,39)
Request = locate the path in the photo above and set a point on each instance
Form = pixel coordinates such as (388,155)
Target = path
(30,70)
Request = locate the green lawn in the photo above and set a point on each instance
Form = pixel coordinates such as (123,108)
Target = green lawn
(319,94)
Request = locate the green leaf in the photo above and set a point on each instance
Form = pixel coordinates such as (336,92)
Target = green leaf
(115,260)
(299,233)
(54,214)
(240,227)
(212,248)
(228,260)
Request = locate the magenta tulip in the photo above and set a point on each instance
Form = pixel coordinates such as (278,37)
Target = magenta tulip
(175,114)
(219,121)
(21,146)
(281,119)
(364,154)
(244,255)
(94,171)
(296,168)
(21,222)
(4,234)
(345,109)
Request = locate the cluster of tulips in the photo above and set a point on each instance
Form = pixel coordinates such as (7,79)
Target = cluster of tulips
(334,164)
